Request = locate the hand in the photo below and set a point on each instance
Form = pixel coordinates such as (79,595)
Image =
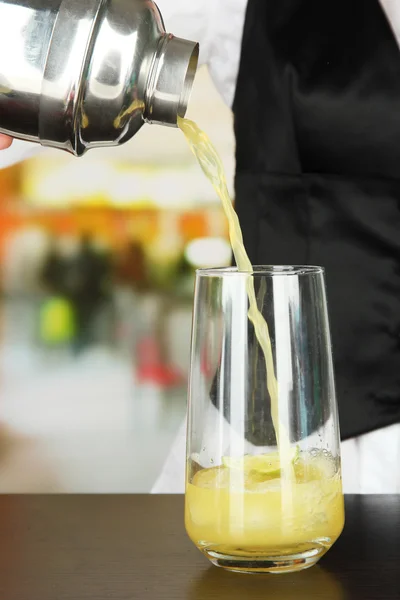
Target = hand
(5,141)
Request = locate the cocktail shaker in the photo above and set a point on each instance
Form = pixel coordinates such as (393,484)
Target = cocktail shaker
(81,74)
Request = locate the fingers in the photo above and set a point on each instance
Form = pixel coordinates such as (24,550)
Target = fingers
(5,141)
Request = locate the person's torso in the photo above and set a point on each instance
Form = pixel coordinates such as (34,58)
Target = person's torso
(317,119)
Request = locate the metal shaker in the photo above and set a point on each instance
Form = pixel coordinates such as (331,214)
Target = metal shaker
(81,74)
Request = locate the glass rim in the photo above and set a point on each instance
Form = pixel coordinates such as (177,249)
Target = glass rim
(263,270)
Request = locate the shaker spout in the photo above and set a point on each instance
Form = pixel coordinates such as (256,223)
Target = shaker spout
(171,81)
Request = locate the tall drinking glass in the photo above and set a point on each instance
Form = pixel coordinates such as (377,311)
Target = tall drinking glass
(263,490)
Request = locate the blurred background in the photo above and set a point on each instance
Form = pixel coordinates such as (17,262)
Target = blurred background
(97,268)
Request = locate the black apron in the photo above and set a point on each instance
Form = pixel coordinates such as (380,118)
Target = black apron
(317,120)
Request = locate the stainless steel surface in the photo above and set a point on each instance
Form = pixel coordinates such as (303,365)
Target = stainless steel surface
(60,112)
(25,33)
(169,89)
(80,74)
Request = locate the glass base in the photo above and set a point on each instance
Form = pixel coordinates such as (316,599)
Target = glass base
(260,563)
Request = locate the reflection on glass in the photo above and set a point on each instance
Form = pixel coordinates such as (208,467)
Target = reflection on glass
(259,501)
(316,583)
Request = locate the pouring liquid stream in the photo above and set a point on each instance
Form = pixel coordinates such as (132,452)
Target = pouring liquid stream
(213,169)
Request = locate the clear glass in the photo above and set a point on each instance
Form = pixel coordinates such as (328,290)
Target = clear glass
(252,504)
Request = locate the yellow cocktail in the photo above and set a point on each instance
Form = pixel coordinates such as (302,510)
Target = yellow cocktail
(273,512)
(250,509)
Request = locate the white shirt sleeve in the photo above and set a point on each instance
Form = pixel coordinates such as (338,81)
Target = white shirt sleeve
(218,26)
(392,10)
(191,20)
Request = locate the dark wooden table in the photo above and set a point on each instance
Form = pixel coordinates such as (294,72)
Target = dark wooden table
(135,547)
